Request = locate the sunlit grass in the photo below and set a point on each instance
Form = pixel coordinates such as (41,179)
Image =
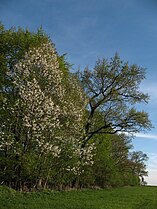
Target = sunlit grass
(121,198)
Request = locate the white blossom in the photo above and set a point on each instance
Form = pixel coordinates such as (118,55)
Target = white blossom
(51,110)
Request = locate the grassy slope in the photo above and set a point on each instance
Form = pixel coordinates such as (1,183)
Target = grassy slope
(122,198)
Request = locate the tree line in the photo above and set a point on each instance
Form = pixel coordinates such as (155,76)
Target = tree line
(60,129)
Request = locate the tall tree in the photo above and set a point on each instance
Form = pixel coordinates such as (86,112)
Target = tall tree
(13,46)
(42,112)
(113,90)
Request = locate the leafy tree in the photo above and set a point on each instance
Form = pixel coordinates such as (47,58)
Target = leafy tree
(42,112)
(121,146)
(54,131)
(138,159)
(113,90)
(13,46)
(114,163)
(104,164)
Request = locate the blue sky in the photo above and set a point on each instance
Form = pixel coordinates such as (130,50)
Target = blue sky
(90,29)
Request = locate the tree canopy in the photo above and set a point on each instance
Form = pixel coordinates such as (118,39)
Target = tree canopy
(112,88)
(55,125)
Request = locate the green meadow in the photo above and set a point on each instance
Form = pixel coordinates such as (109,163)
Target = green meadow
(120,198)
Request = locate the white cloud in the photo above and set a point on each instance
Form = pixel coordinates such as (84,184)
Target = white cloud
(147,136)
(143,136)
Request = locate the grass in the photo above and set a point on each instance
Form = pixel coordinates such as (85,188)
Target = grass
(121,198)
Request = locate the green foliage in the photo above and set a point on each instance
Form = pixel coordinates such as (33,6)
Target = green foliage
(112,88)
(112,163)
(13,46)
(47,118)
(41,112)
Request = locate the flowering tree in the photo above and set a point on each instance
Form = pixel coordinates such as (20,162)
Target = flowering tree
(48,121)
(47,117)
